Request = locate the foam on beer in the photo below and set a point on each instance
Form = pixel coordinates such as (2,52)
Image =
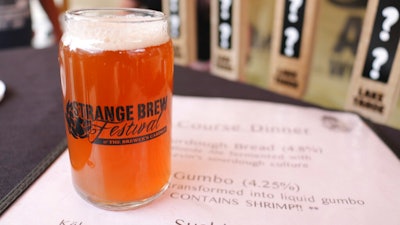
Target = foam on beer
(115,33)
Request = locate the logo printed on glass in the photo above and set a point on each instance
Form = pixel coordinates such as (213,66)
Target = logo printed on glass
(117,125)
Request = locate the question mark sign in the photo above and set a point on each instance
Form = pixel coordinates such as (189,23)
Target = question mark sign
(226,32)
(381,56)
(292,36)
(175,23)
(391,17)
(225,5)
(293,8)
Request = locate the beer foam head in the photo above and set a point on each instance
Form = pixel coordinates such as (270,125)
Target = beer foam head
(93,31)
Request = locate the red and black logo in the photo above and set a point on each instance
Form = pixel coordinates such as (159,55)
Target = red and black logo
(117,125)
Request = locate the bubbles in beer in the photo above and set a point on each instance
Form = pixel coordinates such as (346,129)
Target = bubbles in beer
(122,32)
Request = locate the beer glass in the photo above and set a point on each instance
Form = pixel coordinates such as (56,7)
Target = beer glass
(116,68)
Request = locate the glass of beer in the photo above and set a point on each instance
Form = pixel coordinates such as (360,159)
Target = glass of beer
(116,69)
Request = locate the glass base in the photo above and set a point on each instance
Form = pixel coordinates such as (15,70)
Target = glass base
(120,206)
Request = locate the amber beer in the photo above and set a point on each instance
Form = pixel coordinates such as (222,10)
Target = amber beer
(116,69)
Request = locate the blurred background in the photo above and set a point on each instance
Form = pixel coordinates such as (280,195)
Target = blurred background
(337,36)
(41,25)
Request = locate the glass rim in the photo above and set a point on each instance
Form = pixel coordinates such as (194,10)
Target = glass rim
(105,14)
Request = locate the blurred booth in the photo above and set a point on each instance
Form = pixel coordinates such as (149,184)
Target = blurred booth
(243,41)
(333,46)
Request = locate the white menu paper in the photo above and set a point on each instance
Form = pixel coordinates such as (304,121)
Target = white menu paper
(245,162)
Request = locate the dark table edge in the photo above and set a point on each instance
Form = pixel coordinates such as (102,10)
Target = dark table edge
(22,186)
